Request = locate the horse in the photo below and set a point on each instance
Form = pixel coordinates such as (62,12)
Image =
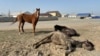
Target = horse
(83,44)
(61,39)
(30,18)
(59,27)
(66,30)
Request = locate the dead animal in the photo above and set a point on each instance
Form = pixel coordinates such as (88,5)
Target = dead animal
(69,31)
(64,41)
(57,38)
(87,45)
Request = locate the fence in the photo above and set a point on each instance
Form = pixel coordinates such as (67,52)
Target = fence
(10,19)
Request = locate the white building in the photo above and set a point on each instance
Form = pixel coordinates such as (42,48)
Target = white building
(14,14)
(72,15)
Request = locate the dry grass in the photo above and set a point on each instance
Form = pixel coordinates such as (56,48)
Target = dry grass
(90,30)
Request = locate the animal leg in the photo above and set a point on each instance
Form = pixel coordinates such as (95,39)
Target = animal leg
(42,42)
(35,25)
(19,26)
(22,26)
(47,39)
(70,48)
(33,28)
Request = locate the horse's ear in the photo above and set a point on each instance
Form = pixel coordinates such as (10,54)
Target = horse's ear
(37,8)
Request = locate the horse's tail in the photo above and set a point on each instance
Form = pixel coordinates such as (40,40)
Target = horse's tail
(15,20)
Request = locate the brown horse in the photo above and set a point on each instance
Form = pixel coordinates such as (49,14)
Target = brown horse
(33,18)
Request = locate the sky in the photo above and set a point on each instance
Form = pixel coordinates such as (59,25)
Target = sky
(63,6)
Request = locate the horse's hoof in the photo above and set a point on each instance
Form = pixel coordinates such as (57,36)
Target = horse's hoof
(19,33)
(33,33)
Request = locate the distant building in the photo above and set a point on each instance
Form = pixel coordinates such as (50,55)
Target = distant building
(14,14)
(17,13)
(72,15)
(55,13)
(27,12)
(95,17)
(63,15)
(84,15)
(66,15)
(3,15)
(45,15)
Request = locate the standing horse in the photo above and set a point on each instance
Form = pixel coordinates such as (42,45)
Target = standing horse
(33,18)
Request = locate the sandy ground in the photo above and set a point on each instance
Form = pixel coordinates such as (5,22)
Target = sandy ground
(88,28)
(49,24)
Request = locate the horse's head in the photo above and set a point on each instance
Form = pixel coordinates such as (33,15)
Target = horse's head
(69,31)
(38,11)
(72,32)
(88,45)
(59,27)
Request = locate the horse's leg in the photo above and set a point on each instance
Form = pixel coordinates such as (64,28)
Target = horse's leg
(22,26)
(47,39)
(33,21)
(19,26)
(35,25)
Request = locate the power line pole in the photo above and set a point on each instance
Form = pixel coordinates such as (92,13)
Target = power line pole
(9,13)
